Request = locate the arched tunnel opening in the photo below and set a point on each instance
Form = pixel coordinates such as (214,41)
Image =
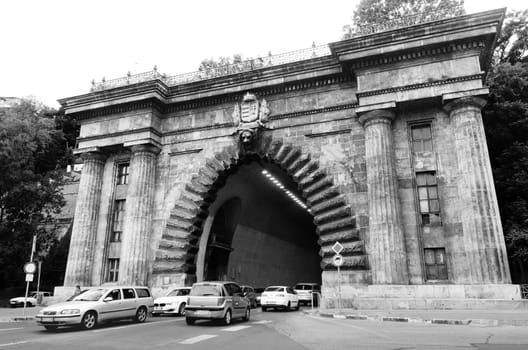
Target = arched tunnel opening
(260,231)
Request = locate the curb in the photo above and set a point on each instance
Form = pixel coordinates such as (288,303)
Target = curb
(459,322)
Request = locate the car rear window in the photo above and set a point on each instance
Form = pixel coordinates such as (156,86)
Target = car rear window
(305,287)
(142,292)
(274,289)
(206,290)
(178,292)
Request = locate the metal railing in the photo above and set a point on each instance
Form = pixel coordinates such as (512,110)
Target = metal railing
(272,60)
(214,72)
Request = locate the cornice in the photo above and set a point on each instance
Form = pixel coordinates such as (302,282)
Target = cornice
(120,133)
(420,85)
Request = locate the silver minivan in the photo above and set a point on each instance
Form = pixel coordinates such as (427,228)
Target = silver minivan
(216,300)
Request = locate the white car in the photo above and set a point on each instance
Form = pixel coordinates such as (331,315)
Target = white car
(32,299)
(279,297)
(172,304)
(98,305)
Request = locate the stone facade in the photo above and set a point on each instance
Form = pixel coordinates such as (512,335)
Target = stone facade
(382,137)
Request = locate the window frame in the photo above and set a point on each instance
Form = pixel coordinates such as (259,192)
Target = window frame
(430,200)
(123,176)
(442,272)
(118,217)
(421,141)
(112,273)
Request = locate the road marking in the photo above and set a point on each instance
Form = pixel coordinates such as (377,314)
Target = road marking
(261,322)
(198,338)
(17,343)
(10,329)
(235,329)
(133,325)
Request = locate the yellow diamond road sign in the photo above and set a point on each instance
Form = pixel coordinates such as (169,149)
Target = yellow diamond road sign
(337,247)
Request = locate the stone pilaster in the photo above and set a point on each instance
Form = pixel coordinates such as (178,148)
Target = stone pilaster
(387,254)
(133,267)
(484,246)
(84,232)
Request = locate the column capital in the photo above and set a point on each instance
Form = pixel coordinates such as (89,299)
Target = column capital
(93,156)
(463,102)
(377,116)
(148,148)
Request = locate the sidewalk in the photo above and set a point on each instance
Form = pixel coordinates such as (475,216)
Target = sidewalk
(17,314)
(489,318)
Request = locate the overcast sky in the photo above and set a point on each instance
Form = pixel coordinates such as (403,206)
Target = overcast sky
(54,48)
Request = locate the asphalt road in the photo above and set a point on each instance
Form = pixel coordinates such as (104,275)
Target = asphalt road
(265,330)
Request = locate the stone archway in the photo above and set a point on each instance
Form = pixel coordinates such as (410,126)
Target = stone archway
(333,217)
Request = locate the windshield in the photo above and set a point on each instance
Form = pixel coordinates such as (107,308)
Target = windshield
(274,289)
(206,290)
(90,295)
(303,287)
(178,292)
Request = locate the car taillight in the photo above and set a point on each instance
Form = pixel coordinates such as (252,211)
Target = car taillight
(220,301)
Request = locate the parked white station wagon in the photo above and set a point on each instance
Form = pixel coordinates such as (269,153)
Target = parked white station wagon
(98,305)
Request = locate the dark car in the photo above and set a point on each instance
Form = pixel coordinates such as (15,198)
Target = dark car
(249,293)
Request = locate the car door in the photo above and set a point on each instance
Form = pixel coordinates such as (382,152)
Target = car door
(111,309)
(239,301)
(130,302)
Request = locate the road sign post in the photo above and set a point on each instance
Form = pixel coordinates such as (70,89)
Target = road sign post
(29,269)
(338,261)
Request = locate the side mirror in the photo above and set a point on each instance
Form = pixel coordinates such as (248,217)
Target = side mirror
(107,299)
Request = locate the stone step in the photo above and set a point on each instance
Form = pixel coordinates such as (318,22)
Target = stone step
(349,249)
(311,178)
(336,225)
(330,204)
(317,186)
(291,157)
(346,235)
(305,170)
(337,213)
(354,262)
(282,153)
(181,244)
(297,164)
(167,266)
(323,195)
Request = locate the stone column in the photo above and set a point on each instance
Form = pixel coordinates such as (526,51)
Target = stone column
(387,256)
(484,246)
(133,269)
(84,232)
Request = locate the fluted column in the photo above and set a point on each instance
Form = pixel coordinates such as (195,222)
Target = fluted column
(387,254)
(133,267)
(483,238)
(84,232)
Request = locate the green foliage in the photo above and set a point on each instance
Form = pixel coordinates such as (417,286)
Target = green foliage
(512,45)
(33,153)
(506,125)
(381,12)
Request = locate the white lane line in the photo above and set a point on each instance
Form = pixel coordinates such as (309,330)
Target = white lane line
(10,329)
(133,325)
(17,343)
(235,329)
(261,322)
(198,338)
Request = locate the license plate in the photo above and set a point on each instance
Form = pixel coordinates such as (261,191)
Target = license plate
(157,307)
(202,313)
(47,319)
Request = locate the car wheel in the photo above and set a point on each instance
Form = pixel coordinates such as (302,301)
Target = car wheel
(264,309)
(141,315)
(288,308)
(247,315)
(181,310)
(189,321)
(227,318)
(51,328)
(254,304)
(89,320)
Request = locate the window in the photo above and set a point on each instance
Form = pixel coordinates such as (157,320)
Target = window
(113,270)
(142,292)
(122,173)
(422,140)
(428,198)
(435,264)
(115,294)
(128,293)
(119,214)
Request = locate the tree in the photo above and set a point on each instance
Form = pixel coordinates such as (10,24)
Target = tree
(33,153)
(372,13)
(506,125)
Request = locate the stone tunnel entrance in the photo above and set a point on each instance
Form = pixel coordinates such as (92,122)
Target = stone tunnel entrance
(259,230)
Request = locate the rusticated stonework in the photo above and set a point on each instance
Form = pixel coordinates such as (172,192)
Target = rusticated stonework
(380,143)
